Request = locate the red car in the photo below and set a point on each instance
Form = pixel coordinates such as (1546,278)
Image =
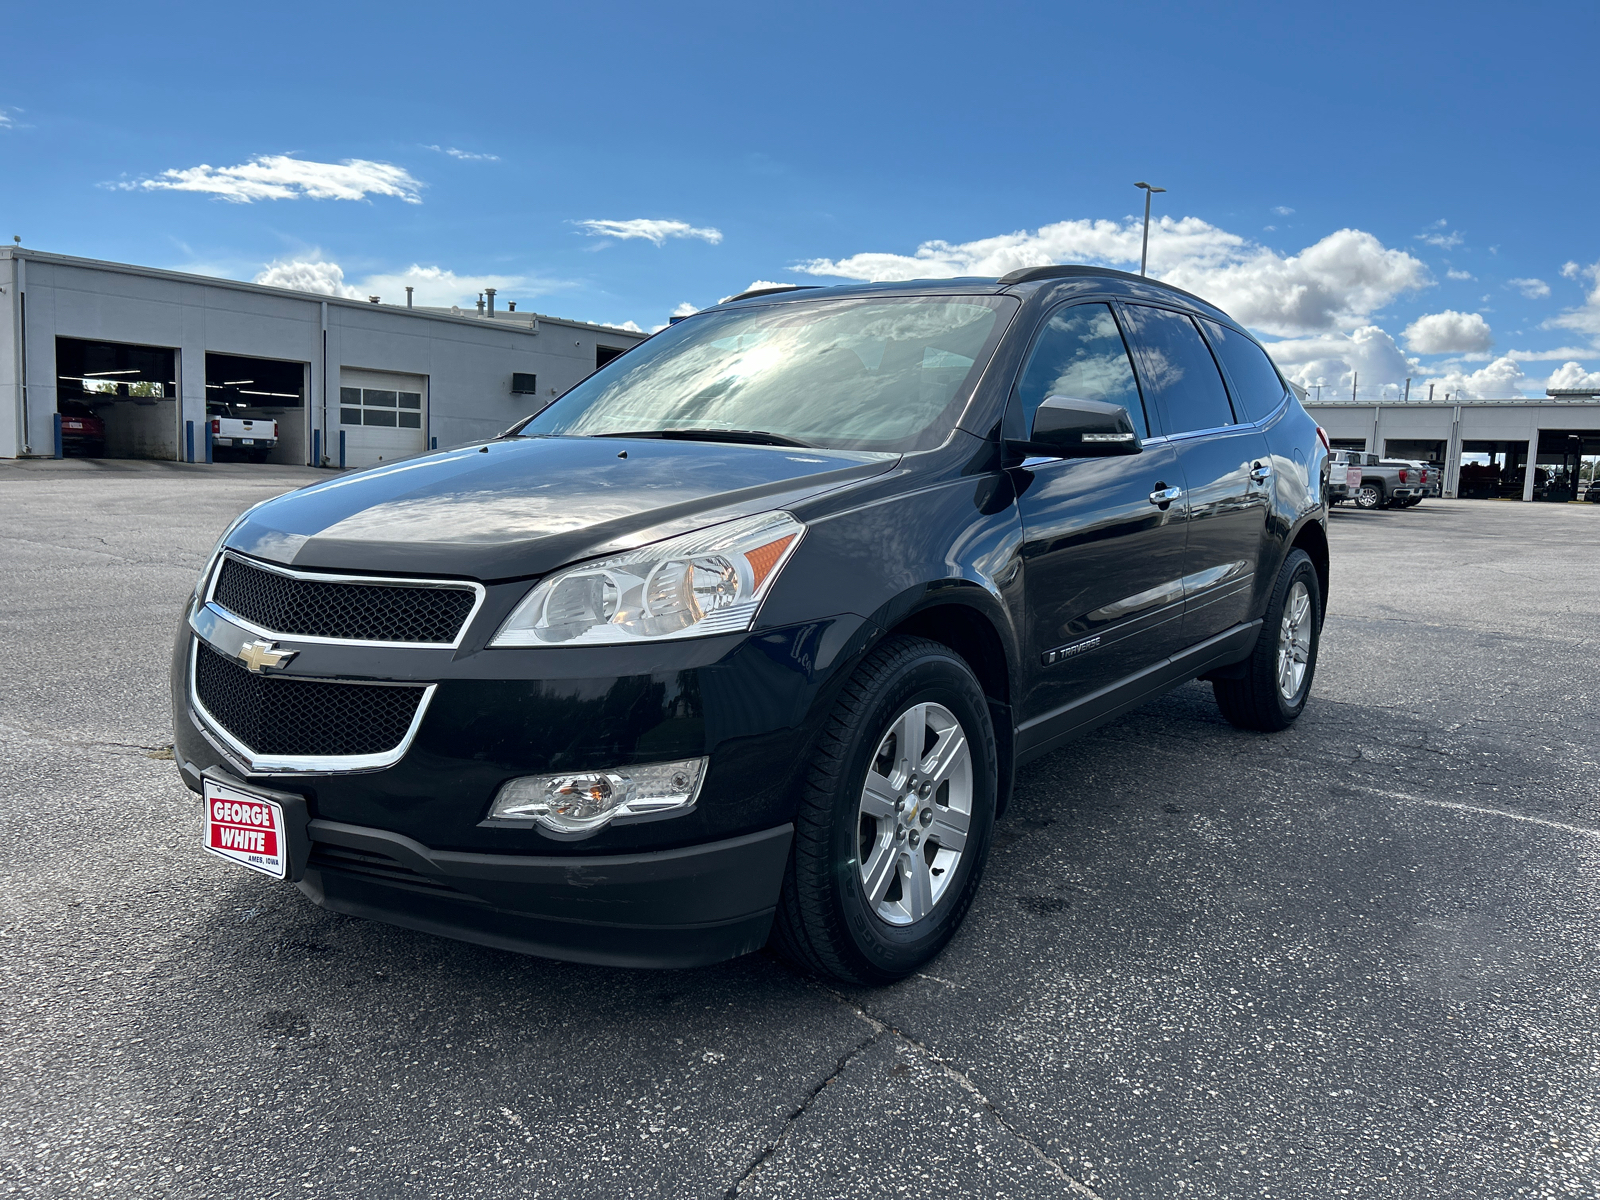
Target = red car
(81,431)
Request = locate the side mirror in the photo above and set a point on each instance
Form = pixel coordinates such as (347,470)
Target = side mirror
(1067,427)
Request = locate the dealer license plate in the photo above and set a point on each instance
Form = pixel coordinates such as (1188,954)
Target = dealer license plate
(246,829)
(247,441)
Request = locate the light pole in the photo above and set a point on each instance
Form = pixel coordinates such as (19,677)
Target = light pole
(1144,250)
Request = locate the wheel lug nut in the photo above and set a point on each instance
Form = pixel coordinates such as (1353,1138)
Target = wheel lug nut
(926,789)
(915,837)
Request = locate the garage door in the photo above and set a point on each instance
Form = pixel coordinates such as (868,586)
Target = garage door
(382,415)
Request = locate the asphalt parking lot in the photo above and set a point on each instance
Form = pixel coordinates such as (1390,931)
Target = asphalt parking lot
(1356,959)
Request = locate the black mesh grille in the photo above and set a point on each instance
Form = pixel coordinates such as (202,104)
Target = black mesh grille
(278,715)
(358,611)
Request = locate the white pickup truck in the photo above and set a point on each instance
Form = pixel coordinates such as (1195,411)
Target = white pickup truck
(252,437)
(1344,475)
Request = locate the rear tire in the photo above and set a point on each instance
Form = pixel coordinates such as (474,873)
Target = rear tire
(1369,495)
(1278,673)
(885,863)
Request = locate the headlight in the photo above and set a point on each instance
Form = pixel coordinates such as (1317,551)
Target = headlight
(709,581)
(578,802)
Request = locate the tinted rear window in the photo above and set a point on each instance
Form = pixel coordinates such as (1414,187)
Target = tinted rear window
(1177,370)
(1257,388)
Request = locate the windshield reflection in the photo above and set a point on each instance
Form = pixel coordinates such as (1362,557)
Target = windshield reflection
(868,374)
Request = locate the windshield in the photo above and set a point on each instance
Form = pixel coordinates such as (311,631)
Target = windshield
(870,374)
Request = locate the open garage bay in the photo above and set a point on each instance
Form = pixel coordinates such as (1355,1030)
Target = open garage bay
(1357,958)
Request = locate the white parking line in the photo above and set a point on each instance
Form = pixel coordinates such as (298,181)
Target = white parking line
(1481,811)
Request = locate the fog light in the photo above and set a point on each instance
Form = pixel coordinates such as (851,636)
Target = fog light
(577,802)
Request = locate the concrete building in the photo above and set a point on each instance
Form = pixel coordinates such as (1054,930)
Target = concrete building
(151,354)
(1485,446)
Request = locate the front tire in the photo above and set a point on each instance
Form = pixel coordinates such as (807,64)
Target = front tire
(1278,674)
(894,825)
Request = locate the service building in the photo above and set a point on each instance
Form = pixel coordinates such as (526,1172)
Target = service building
(153,354)
(1485,446)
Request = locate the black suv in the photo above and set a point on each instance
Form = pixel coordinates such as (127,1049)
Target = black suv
(745,636)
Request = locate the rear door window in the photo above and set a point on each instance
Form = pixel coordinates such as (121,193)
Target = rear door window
(1177,370)
(1257,387)
(1079,353)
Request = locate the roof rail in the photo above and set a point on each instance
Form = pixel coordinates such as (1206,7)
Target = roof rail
(1066,271)
(1032,274)
(772,291)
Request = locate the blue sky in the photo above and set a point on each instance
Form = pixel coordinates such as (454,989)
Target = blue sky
(1399,190)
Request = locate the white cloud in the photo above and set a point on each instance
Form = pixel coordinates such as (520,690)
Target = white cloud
(1586,318)
(1533,289)
(1500,380)
(433,287)
(1573,377)
(1336,283)
(648,229)
(463,154)
(685,310)
(5,119)
(1282,210)
(308,275)
(280,177)
(1332,360)
(1439,234)
(1559,352)
(438,287)
(1449,332)
(630,326)
(1452,273)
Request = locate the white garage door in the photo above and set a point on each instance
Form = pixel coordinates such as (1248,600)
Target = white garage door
(382,416)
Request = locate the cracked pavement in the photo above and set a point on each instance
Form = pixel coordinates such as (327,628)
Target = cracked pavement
(1358,958)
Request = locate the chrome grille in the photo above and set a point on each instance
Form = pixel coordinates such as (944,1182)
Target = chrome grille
(324,607)
(281,715)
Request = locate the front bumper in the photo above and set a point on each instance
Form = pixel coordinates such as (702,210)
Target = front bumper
(672,908)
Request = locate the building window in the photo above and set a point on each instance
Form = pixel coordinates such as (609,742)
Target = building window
(380,406)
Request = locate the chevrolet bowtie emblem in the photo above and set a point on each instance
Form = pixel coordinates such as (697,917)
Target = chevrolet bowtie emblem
(258,656)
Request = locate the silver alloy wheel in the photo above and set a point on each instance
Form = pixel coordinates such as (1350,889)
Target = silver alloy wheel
(1368,496)
(915,808)
(1294,640)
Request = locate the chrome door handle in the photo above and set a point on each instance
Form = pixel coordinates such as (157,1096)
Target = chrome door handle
(1162,497)
(1261,472)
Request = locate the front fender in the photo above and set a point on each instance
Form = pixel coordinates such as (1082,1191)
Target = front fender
(956,541)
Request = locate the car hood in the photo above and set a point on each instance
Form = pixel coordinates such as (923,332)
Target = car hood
(525,506)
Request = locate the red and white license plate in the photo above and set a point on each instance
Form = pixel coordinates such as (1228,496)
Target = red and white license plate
(246,829)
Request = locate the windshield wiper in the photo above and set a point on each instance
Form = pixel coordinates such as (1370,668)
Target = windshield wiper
(748,437)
